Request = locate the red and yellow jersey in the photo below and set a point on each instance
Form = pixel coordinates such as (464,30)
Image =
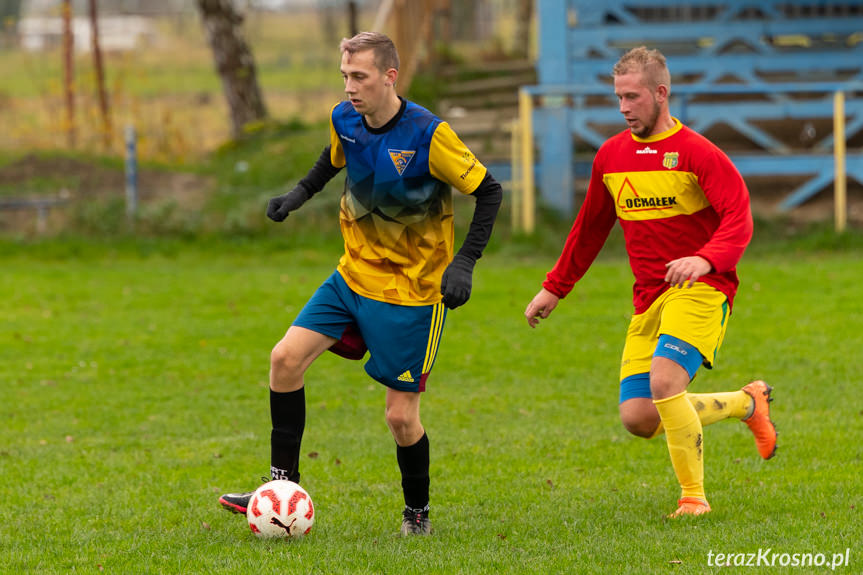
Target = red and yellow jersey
(396,212)
(675,194)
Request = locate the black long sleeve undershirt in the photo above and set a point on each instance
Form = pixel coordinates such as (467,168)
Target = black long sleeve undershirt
(489,195)
(322,172)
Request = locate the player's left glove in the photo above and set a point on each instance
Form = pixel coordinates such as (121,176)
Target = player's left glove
(456,282)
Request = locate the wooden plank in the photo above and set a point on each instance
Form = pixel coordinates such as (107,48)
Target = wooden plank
(505,83)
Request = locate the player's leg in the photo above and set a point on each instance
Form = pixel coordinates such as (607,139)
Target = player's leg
(412,454)
(403,343)
(289,361)
(646,417)
(751,404)
(713,407)
(318,326)
(683,432)
(637,412)
(705,331)
(692,326)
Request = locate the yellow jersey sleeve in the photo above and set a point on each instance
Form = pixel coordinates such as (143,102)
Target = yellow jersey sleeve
(452,162)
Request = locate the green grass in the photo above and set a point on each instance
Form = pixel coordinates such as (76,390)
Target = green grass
(133,382)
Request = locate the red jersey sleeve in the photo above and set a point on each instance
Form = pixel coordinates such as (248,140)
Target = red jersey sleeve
(727,193)
(587,236)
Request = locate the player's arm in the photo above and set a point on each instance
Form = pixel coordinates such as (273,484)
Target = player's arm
(587,236)
(727,193)
(322,172)
(452,162)
(458,276)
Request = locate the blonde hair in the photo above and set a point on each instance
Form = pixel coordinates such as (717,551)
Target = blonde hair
(386,56)
(651,63)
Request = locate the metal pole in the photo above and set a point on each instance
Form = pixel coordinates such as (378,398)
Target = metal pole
(131,173)
(839,182)
(515,175)
(528,204)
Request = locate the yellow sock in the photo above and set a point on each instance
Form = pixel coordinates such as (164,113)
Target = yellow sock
(713,407)
(684,438)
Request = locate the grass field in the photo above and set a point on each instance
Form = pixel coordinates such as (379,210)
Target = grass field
(134,392)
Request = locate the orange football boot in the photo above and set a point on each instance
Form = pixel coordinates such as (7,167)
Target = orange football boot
(759,422)
(690,506)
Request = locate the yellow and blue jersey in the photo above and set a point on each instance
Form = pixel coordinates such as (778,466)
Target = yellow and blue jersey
(396,212)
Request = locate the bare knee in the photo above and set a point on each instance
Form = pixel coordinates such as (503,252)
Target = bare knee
(286,368)
(662,387)
(641,427)
(639,417)
(399,421)
(667,378)
(284,358)
(404,424)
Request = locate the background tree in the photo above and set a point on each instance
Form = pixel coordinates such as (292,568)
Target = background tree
(234,62)
(100,74)
(69,71)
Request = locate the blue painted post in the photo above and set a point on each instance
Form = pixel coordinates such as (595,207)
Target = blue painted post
(553,117)
(131,173)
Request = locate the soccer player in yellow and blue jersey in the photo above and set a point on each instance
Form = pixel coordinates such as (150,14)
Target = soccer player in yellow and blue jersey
(391,290)
(686,220)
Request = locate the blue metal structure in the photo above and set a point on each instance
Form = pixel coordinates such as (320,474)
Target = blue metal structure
(758,77)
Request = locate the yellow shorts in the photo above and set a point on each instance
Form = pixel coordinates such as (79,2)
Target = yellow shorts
(697,315)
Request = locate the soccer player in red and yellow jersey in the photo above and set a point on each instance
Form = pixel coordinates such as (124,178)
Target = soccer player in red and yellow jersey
(391,290)
(685,214)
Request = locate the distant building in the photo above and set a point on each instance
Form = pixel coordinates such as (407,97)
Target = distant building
(116,33)
(43,8)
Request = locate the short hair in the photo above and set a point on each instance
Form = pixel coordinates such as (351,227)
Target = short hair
(386,56)
(651,63)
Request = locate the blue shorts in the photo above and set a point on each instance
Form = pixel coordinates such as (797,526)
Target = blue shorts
(402,340)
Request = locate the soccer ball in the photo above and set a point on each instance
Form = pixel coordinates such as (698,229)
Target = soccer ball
(280,509)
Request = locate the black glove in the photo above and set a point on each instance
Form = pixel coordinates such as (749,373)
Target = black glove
(456,282)
(280,206)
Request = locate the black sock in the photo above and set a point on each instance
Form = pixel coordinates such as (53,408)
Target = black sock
(288,414)
(414,465)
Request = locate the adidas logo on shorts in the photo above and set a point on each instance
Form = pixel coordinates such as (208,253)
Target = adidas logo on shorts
(406,376)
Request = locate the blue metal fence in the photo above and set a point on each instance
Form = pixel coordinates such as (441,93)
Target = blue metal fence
(761,71)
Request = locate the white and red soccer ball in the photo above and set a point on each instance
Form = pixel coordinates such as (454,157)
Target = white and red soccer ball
(280,509)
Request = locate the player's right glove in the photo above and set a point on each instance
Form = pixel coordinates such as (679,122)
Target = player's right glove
(280,206)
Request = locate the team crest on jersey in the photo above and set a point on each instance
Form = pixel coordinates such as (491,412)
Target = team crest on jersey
(401,159)
(669,160)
